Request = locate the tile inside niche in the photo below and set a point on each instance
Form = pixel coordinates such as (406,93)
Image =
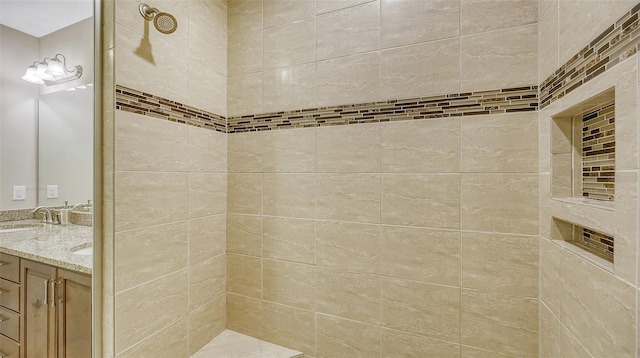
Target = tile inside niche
(598,152)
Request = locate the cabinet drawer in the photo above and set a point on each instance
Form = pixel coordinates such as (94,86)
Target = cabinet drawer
(10,324)
(10,267)
(10,295)
(9,348)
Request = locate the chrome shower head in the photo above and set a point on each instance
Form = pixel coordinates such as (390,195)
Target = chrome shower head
(162,21)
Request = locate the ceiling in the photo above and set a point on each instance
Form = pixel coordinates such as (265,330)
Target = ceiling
(42,17)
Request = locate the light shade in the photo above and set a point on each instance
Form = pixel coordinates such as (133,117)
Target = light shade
(31,76)
(52,71)
(55,68)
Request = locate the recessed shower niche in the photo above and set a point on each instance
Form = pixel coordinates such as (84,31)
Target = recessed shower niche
(583,152)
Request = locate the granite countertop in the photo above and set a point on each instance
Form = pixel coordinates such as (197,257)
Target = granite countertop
(49,244)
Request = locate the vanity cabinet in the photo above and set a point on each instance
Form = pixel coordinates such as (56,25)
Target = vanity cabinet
(56,312)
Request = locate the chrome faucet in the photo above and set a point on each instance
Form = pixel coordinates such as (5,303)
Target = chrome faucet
(46,214)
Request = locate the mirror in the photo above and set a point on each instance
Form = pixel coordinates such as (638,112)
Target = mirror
(65,147)
(46,130)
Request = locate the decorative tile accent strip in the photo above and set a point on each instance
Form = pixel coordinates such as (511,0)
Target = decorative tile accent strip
(520,99)
(135,101)
(596,243)
(618,42)
(598,153)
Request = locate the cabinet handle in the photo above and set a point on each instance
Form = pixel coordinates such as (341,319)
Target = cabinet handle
(3,354)
(60,293)
(2,319)
(46,292)
(53,293)
(2,292)
(2,263)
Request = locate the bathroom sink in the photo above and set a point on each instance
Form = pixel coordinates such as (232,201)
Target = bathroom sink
(83,250)
(18,227)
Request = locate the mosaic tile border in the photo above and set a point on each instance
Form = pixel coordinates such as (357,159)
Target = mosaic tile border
(598,152)
(508,100)
(618,42)
(597,243)
(131,100)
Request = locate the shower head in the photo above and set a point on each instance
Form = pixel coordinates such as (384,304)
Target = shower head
(162,21)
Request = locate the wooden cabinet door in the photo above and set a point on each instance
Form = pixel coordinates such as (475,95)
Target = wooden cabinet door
(73,296)
(38,310)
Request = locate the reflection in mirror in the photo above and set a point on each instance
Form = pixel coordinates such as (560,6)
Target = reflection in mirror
(65,147)
(33,157)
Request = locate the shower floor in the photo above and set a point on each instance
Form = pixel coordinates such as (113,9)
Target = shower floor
(230,344)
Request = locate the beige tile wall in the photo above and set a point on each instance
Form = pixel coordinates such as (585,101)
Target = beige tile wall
(188,66)
(287,54)
(170,235)
(165,186)
(587,308)
(415,237)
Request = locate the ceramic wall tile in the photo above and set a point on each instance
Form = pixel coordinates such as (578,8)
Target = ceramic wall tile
(421,200)
(397,343)
(289,327)
(290,195)
(510,52)
(244,153)
(244,94)
(289,239)
(348,246)
(421,308)
(278,12)
(324,6)
(149,253)
(354,296)
(288,283)
(148,308)
(207,194)
(289,151)
(244,193)
(482,16)
(516,318)
(244,315)
(348,31)
(414,21)
(345,80)
(405,150)
(206,322)
(244,16)
(148,144)
(342,338)
(598,308)
(245,53)
(207,238)
(348,197)
(147,198)
(424,69)
(290,44)
(506,203)
(244,275)
(289,88)
(421,254)
(244,234)
(348,149)
(207,281)
(170,341)
(506,143)
(207,151)
(516,271)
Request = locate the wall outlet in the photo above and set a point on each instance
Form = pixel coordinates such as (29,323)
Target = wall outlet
(52,191)
(19,192)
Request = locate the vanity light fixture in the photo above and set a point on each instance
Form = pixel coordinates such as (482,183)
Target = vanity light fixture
(52,71)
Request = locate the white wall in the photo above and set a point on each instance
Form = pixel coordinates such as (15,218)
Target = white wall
(18,118)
